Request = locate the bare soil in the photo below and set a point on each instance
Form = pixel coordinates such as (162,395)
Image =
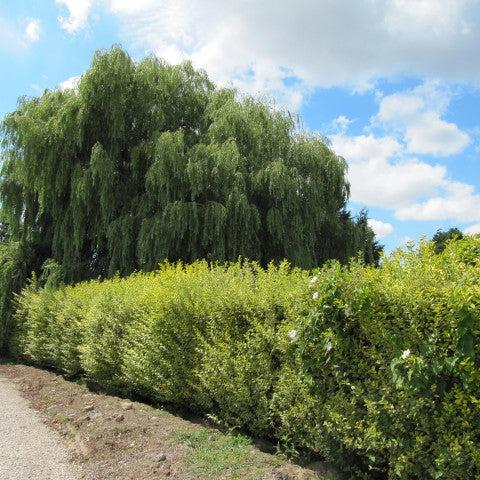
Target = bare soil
(111,438)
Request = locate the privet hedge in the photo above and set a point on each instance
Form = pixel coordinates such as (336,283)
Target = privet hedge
(374,369)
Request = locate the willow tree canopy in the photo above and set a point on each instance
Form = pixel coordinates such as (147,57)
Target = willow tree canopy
(149,161)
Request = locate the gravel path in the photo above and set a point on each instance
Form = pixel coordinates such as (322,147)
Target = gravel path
(28,449)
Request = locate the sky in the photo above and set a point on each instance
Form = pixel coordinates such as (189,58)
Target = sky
(394,85)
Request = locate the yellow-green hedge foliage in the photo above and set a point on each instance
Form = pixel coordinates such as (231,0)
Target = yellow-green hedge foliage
(375,369)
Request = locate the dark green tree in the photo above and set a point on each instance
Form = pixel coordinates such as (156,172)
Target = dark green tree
(148,161)
(441,238)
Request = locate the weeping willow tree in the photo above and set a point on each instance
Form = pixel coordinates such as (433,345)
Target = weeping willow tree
(148,161)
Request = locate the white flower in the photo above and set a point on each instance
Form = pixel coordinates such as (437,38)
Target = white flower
(313,281)
(329,346)
(292,334)
(315,295)
(406,354)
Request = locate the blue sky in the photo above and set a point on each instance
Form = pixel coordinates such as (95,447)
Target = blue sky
(393,84)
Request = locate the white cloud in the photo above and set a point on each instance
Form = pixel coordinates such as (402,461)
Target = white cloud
(422,17)
(381,229)
(19,35)
(69,84)
(366,147)
(382,175)
(472,229)
(33,30)
(383,172)
(416,115)
(399,107)
(261,45)
(341,123)
(458,202)
(78,11)
(430,135)
(129,6)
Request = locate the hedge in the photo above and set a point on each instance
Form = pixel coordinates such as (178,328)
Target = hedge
(374,369)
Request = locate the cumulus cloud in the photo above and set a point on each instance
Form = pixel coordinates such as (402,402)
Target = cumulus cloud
(319,42)
(78,11)
(380,176)
(383,175)
(322,43)
(423,18)
(458,202)
(33,30)
(381,229)
(416,115)
(19,35)
(129,6)
(341,123)
(428,134)
(69,84)
(383,171)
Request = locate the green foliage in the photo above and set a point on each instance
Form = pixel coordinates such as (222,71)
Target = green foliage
(148,161)
(376,369)
(16,262)
(441,238)
(391,358)
(211,455)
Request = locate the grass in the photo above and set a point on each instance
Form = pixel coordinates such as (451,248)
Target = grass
(211,454)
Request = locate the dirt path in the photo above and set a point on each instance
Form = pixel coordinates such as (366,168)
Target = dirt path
(28,448)
(110,438)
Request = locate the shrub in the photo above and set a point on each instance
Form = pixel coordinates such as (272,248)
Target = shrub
(377,370)
(390,358)
(16,262)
